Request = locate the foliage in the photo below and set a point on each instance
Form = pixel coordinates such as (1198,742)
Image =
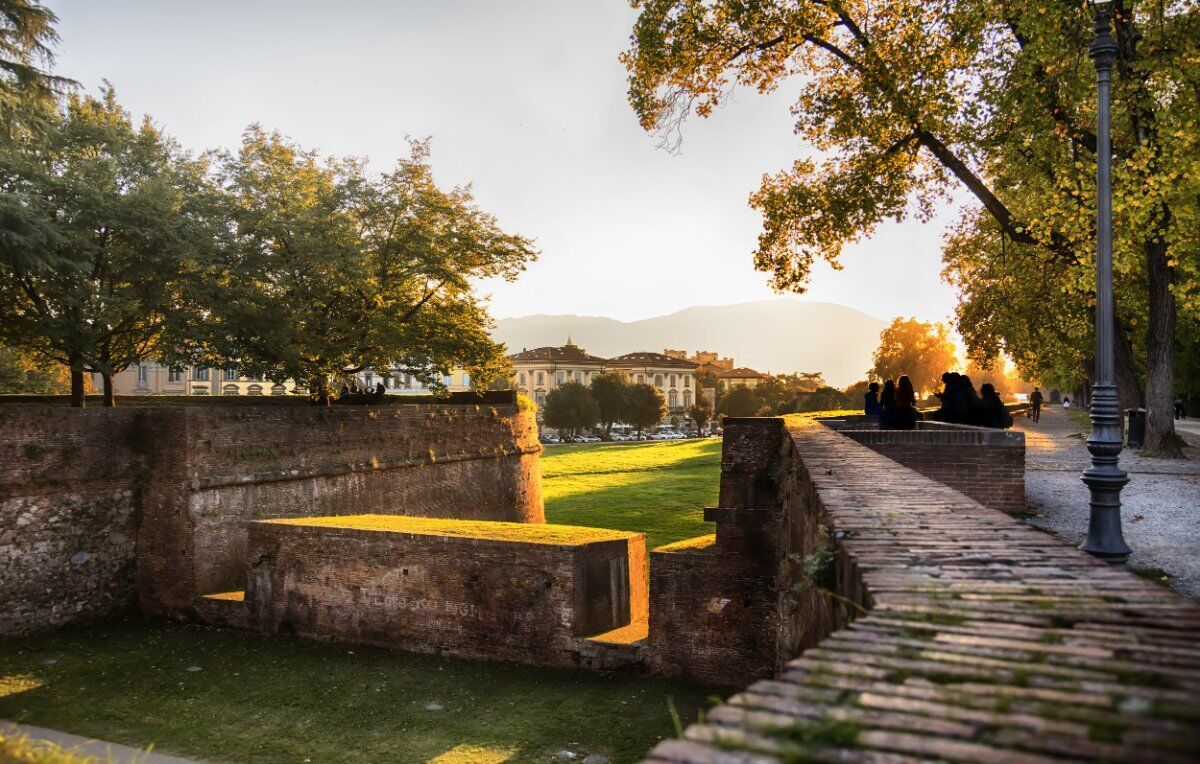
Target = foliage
(610,391)
(739,400)
(570,407)
(825,399)
(280,698)
(131,217)
(27,87)
(700,412)
(919,349)
(327,271)
(645,407)
(906,102)
(20,373)
(658,488)
(21,749)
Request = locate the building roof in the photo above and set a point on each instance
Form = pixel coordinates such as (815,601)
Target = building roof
(568,353)
(741,373)
(651,359)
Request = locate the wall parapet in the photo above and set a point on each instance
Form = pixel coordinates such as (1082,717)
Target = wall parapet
(977,637)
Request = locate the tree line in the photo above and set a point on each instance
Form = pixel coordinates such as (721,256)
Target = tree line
(610,399)
(117,245)
(911,101)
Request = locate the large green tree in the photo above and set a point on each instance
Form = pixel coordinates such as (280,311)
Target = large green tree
(645,407)
(327,270)
(610,390)
(129,217)
(909,101)
(570,407)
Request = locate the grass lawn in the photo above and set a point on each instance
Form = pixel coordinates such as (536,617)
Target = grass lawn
(272,699)
(659,487)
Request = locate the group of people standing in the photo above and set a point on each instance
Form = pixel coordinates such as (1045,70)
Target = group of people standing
(896,404)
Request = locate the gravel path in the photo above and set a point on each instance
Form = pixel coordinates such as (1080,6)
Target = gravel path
(1160,506)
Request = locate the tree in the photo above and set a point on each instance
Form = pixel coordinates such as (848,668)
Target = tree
(701,413)
(130,217)
(645,407)
(327,271)
(740,400)
(921,350)
(826,399)
(26,85)
(570,407)
(610,391)
(884,96)
(19,373)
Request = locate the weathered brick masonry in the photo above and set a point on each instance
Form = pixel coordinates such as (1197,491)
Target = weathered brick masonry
(519,592)
(978,638)
(79,487)
(987,465)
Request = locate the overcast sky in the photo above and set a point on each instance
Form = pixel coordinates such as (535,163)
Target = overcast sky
(524,99)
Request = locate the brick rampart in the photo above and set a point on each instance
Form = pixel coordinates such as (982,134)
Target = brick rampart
(518,592)
(976,638)
(99,507)
(987,465)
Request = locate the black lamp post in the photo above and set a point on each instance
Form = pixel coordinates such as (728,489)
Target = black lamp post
(1104,478)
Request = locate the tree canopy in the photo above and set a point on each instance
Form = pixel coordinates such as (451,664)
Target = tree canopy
(906,102)
(919,349)
(610,391)
(645,406)
(570,407)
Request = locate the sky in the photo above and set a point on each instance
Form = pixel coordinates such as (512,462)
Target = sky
(525,100)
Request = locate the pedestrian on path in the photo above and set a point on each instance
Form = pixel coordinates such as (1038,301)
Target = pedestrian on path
(1035,404)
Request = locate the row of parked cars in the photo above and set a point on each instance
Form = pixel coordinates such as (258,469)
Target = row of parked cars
(617,437)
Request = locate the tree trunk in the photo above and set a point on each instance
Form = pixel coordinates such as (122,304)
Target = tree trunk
(1161,440)
(77,397)
(110,399)
(1129,384)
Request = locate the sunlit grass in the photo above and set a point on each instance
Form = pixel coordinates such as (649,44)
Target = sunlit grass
(281,699)
(658,488)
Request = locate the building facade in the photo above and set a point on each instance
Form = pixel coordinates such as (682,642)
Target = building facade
(739,376)
(536,372)
(153,378)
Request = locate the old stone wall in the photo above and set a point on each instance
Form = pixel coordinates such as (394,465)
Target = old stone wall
(68,520)
(99,507)
(478,590)
(987,465)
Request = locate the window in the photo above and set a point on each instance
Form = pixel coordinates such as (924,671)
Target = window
(560,377)
(641,379)
(541,398)
(370,379)
(687,398)
(541,378)
(672,380)
(278,390)
(200,375)
(143,373)
(254,390)
(389,383)
(174,375)
(447,381)
(466,380)
(521,378)
(687,381)
(231,375)
(229,390)
(658,380)
(673,400)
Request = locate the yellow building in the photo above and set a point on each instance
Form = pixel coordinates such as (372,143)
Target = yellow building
(739,376)
(153,378)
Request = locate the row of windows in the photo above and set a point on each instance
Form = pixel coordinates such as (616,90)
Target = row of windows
(409,382)
(198,374)
(585,377)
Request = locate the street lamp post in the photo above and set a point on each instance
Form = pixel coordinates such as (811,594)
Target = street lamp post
(1104,478)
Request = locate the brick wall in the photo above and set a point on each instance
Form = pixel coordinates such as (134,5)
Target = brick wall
(85,493)
(987,465)
(475,596)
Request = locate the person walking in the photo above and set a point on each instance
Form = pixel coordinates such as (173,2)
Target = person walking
(1035,404)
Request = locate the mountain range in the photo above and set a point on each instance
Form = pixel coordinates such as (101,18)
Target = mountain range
(771,336)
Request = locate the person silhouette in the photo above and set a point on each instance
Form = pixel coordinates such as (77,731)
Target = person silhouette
(992,412)
(906,414)
(1035,404)
(887,404)
(871,400)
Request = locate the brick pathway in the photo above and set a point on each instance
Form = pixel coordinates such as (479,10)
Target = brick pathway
(1160,506)
(986,641)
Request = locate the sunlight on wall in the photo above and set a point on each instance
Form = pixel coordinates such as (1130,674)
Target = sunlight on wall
(465,753)
(14,683)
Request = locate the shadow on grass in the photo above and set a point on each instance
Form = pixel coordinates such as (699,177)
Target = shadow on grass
(266,699)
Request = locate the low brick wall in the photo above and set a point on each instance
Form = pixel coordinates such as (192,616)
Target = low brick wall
(518,592)
(987,465)
(949,631)
(100,508)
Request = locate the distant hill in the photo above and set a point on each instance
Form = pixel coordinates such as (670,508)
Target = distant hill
(776,336)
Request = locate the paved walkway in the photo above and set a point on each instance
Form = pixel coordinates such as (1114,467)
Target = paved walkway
(108,753)
(986,641)
(1160,506)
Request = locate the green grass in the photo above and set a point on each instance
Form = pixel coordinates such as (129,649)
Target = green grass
(278,698)
(659,488)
